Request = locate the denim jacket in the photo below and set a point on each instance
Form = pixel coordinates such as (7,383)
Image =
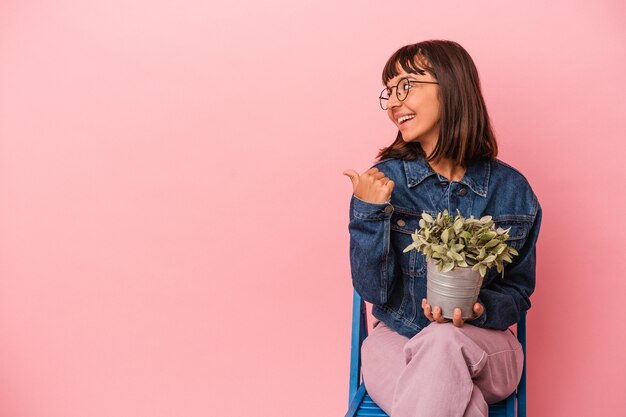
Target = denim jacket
(395,282)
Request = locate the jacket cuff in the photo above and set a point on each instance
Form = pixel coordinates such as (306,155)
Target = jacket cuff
(371,211)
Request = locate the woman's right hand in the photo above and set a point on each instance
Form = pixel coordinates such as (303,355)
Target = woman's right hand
(371,186)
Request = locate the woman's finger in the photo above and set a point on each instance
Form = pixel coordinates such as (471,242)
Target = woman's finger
(427,310)
(457,318)
(478,309)
(354,177)
(438,317)
(429,313)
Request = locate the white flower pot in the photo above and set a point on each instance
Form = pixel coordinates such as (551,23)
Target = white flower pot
(452,289)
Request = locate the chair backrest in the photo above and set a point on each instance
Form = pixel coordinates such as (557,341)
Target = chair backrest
(359,333)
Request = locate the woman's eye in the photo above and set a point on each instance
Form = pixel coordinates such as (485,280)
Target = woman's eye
(407,86)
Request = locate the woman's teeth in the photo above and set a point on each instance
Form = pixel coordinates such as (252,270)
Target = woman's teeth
(405,118)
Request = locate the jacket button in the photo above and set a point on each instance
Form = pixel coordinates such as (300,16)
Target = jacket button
(463,191)
(401,223)
(388,209)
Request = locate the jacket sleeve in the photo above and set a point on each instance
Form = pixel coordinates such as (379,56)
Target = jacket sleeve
(506,299)
(372,260)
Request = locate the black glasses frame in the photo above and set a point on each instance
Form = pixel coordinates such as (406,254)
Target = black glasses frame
(381,98)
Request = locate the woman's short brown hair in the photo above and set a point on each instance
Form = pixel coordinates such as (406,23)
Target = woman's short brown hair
(465,132)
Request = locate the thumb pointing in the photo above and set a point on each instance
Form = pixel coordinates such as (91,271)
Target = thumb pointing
(354,177)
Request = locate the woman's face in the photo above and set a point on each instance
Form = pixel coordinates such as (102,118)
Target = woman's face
(422,101)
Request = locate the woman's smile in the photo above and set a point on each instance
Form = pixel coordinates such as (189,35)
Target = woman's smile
(407,123)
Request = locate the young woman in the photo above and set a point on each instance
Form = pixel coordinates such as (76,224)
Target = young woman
(415,362)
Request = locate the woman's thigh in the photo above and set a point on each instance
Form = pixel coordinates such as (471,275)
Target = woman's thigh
(382,362)
(500,370)
(494,358)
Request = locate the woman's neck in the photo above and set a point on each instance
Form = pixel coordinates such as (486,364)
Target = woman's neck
(448,169)
(445,167)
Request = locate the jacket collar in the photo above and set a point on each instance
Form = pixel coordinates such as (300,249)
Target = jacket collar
(476,176)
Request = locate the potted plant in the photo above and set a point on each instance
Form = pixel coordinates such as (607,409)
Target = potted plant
(458,252)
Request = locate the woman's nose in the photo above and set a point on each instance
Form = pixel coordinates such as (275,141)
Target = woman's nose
(393,101)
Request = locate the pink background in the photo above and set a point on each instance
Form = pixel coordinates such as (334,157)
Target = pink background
(173,214)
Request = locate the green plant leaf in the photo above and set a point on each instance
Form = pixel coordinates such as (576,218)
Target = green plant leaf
(448,266)
(483,270)
(444,236)
(492,243)
(427,217)
(465,234)
(408,248)
(453,255)
(440,249)
(458,225)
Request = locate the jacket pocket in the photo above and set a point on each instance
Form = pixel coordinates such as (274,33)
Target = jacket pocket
(403,224)
(517,234)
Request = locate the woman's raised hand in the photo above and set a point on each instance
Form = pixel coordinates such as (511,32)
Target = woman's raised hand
(371,186)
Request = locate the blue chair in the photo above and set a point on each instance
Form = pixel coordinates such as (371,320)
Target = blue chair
(360,403)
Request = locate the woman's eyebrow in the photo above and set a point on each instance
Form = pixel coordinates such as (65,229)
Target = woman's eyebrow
(406,76)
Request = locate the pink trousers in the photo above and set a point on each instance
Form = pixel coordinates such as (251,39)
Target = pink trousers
(443,371)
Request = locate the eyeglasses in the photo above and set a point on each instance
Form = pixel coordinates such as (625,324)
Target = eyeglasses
(402,91)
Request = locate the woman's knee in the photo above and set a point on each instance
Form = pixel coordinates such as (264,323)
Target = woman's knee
(442,339)
(382,345)
(370,344)
(436,333)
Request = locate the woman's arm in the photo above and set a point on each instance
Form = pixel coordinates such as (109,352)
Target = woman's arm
(372,261)
(506,299)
